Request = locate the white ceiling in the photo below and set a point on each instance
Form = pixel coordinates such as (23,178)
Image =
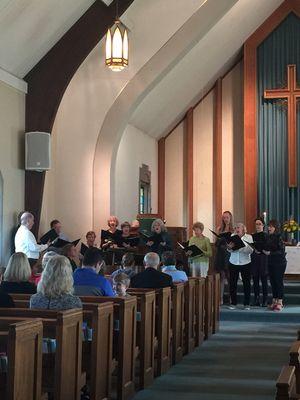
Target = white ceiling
(188,80)
(29,28)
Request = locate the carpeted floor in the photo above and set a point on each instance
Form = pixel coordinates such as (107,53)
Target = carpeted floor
(242,361)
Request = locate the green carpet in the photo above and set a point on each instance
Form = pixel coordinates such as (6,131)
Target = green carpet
(242,361)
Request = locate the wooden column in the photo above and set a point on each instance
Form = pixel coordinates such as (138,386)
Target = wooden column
(189,131)
(217,153)
(161,177)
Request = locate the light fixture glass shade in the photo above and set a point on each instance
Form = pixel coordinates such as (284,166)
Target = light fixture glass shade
(116,47)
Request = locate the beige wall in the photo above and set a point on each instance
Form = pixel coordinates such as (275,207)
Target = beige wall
(175,193)
(203,163)
(232,143)
(136,148)
(12,127)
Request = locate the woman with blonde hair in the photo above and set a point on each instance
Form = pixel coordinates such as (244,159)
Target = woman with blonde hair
(199,265)
(17,274)
(55,289)
(160,240)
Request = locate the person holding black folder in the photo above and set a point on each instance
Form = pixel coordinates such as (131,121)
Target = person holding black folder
(111,237)
(259,263)
(127,240)
(160,240)
(199,264)
(240,263)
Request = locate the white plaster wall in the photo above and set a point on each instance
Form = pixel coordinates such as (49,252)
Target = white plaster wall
(12,127)
(203,163)
(232,143)
(175,193)
(136,148)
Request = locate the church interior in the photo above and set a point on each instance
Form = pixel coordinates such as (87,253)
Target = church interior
(166,130)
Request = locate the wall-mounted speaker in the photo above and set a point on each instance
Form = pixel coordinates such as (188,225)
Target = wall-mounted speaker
(37,151)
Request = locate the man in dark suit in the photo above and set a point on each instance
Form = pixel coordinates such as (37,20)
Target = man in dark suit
(151,278)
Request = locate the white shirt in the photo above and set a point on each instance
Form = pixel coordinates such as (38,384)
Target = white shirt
(243,255)
(25,242)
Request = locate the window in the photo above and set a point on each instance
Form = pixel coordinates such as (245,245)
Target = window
(145,190)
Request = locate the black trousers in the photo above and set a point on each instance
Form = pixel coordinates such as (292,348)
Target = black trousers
(259,269)
(276,273)
(234,271)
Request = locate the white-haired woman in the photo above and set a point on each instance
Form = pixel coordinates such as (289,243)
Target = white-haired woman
(160,240)
(240,263)
(17,275)
(55,289)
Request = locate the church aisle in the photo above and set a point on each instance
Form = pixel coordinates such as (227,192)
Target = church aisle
(242,361)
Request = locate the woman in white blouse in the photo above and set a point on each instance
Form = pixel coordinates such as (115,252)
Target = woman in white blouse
(240,263)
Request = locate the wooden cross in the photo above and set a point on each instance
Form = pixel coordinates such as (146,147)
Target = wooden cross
(291,93)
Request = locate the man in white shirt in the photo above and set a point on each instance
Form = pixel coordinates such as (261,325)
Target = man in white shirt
(25,240)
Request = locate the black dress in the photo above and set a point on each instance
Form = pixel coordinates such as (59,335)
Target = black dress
(276,264)
(157,239)
(259,267)
(6,300)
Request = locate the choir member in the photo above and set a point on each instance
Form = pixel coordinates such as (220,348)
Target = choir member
(111,236)
(127,240)
(199,264)
(240,263)
(57,226)
(259,263)
(160,240)
(90,239)
(276,264)
(70,251)
(222,255)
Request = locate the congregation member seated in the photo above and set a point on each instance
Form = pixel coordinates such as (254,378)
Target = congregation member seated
(37,269)
(126,267)
(111,237)
(121,283)
(56,225)
(25,241)
(70,251)
(199,264)
(87,281)
(17,275)
(169,267)
(160,240)
(5,299)
(55,289)
(151,278)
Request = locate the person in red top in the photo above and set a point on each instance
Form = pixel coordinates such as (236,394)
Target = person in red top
(39,266)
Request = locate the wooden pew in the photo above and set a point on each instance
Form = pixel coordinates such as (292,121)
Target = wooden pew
(66,327)
(199,311)
(216,303)
(97,354)
(177,322)
(294,353)
(189,315)
(286,384)
(23,341)
(208,320)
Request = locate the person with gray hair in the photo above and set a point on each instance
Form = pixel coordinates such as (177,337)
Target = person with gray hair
(160,240)
(151,278)
(25,240)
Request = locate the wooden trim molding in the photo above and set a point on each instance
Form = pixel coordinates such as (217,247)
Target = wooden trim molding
(161,177)
(48,80)
(250,106)
(189,132)
(217,152)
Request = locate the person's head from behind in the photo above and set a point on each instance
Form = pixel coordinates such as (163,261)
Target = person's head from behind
(46,258)
(69,250)
(18,268)
(240,229)
(56,225)
(168,258)
(273,226)
(93,259)
(121,283)
(198,228)
(151,260)
(259,225)
(90,238)
(127,260)
(57,277)
(27,219)
(125,228)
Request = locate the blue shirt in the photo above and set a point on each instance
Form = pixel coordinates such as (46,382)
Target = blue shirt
(177,276)
(88,283)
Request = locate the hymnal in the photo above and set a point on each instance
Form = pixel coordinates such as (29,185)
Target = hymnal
(49,236)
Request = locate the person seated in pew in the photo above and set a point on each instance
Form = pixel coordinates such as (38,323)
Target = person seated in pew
(37,269)
(135,228)
(56,225)
(151,278)
(169,267)
(160,240)
(126,267)
(55,289)
(17,275)
(87,281)
(199,265)
(6,300)
(121,283)
(70,251)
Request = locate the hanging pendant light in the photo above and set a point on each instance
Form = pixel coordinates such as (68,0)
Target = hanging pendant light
(116,47)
